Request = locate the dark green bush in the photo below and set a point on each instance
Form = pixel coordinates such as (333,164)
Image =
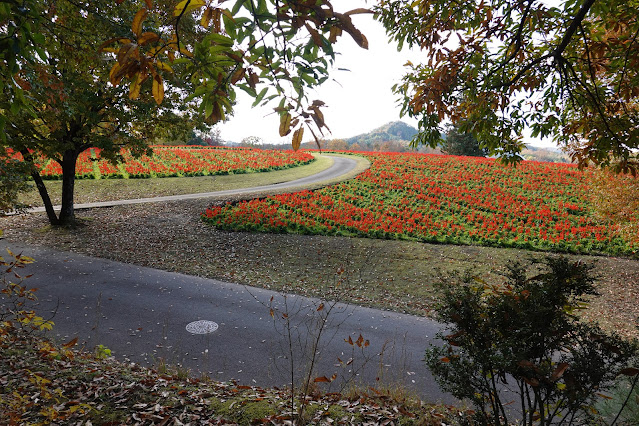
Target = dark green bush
(518,350)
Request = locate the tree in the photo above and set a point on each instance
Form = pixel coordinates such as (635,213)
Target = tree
(273,50)
(615,197)
(457,143)
(498,67)
(520,350)
(336,145)
(214,138)
(251,142)
(71,108)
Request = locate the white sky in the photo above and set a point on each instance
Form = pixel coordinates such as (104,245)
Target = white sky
(357,101)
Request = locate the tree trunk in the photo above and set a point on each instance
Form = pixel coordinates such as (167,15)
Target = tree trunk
(42,189)
(67,213)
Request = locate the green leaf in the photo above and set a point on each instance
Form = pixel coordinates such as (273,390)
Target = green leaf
(260,97)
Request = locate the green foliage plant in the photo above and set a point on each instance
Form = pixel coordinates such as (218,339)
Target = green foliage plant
(13,181)
(519,351)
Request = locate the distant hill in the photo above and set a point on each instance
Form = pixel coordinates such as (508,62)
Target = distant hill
(548,155)
(393,131)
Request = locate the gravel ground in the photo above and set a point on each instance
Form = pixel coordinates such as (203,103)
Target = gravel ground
(393,275)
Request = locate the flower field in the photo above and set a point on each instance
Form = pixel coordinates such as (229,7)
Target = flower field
(176,161)
(442,199)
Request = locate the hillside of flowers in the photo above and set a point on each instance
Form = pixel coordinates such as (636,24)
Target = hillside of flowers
(442,199)
(168,161)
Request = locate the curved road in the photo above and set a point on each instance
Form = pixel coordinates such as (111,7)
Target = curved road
(341,167)
(142,315)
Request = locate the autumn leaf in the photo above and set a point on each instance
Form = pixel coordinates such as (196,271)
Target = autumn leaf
(206,17)
(134,88)
(70,343)
(285,124)
(297,138)
(629,371)
(147,37)
(559,371)
(186,6)
(136,25)
(158,89)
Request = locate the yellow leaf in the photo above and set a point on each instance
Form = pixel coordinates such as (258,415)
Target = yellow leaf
(206,17)
(285,124)
(134,88)
(126,51)
(163,66)
(158,89)
(139,17)
(186,6)
(297,138)
(113,74)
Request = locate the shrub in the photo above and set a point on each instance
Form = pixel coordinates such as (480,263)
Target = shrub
(524,339)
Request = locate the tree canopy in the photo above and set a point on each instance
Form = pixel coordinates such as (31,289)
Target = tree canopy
(457,143)
(114,73)
(71,107)
(496,67)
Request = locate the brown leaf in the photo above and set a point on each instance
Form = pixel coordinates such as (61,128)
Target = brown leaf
(147,37)
(559,371)
(297,138)
(358,11)
(70,343)
(285,124)
(317,38)
(237,75)
(631,371)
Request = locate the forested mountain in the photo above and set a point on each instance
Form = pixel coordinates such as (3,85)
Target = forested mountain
(393,131)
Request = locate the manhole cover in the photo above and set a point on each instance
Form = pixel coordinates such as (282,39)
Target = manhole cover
(201,327)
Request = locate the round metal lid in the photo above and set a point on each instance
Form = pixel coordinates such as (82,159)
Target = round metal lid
(201,327)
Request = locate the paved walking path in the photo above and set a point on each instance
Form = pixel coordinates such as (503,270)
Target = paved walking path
(141,314)
(342,166)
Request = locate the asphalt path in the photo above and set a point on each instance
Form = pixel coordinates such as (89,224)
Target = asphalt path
(341,166)
(142,314)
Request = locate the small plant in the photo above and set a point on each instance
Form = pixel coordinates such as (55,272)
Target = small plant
(102,352)
(15,297)
(518,350)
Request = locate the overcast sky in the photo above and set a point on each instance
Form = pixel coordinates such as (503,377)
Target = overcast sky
(357,101)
